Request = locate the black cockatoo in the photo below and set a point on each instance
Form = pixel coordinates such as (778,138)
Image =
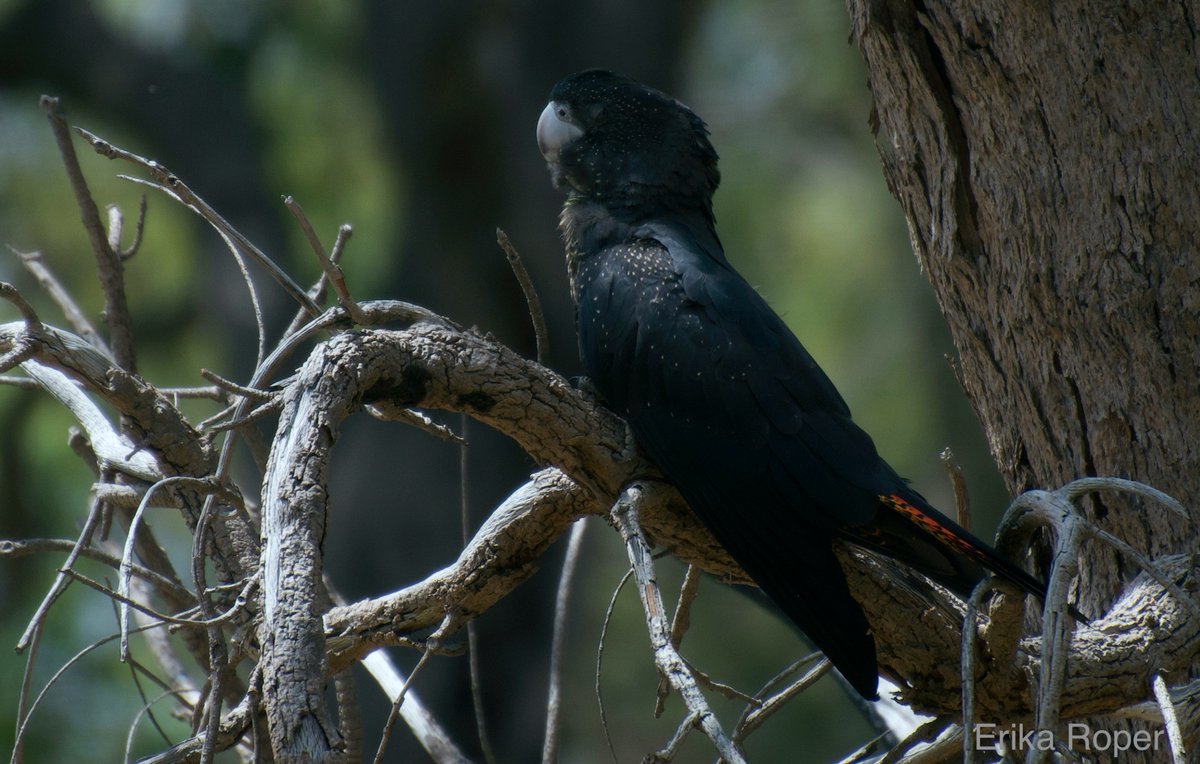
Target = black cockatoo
(718,391)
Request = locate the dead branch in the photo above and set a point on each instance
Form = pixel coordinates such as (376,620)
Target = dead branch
(666,657)
(109,266)
(1114,666)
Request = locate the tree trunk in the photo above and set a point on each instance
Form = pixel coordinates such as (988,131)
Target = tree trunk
(1046,157)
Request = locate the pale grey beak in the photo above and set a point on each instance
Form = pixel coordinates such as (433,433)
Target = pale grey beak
(553,132)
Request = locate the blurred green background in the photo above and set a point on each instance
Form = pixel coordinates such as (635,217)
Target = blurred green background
(414,122)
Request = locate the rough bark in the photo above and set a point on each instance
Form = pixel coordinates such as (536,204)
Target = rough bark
(1046,158)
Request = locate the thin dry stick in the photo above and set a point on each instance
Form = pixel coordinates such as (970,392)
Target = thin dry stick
(147,704)
(1057,509)
(21,352)
(206,392)
(255,304)
(136,671)
(234,726)
(108,263)
(333,272)
(138,230)
(537,318)
(536,314)
(22,547)
(130,539)
(23,723)
(63,299)
(170,184)
(320,287)
(230,386)
(753,720)
(181,619)
(13,295)
(668,660)
(217,653)
(18,754)
(1162,694)
(1143,562)
(424,727)
(60,580)
(682,620)
(967,666)
(386,411)
(929,731)
(473,652)
(433,644)
(962,499)
(669,751)
(558,641)
(270,407)
(608,614)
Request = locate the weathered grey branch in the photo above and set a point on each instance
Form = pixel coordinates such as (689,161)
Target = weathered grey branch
(435,365)
(919,625)
(666,657)
(161,441)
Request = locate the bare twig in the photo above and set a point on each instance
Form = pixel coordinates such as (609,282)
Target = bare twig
(967,665)
(130,540)
(333,272)
(1170,721)
(433,644)
(251,290)
(625,515)
(167,182)
(209,392)
(13,295)
(608,614)
(231,730)
(24,346)
(145,711)
(21,547)
(129,252)
(937,738)
(108,262)
(66,303)
(61,580)
(669,751)
(1056,510)
(429,733)
(23,722)
(229,386)
(558,641)
(682,620)
(181,619)
(318,290)
(962,499)
(217,652)
(473,651)
(755,718)
(237,423)
(536,314)
(387,411)
(21,383)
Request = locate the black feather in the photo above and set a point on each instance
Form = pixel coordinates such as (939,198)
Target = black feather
(716,388)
